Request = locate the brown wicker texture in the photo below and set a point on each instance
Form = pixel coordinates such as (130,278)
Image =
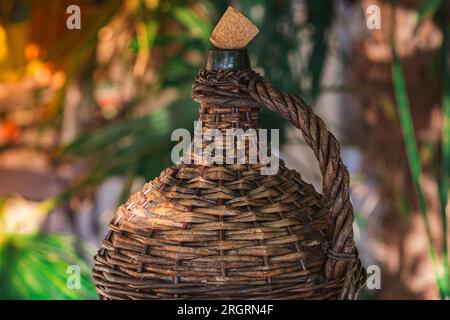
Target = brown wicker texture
(226,231)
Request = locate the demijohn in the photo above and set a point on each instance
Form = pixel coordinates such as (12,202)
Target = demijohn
(228,230)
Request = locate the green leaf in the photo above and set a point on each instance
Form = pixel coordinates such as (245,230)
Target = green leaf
(444,179)
(36,267)
(415,168)
(426,10)
(409,138)
(319,18)
(92,141)
(198,27)
(143,144)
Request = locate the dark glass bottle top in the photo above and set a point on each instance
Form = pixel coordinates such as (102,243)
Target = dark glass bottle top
(221,59)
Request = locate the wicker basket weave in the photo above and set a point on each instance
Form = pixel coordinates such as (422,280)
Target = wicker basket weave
(229,232)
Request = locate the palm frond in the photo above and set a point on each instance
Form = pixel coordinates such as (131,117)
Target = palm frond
(38,267)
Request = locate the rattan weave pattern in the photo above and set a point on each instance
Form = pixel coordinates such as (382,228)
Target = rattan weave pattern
(226,231)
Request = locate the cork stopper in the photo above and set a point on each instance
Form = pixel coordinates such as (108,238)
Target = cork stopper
(233,31)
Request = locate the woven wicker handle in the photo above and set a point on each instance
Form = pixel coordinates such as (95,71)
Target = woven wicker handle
(236,88)
(327,151)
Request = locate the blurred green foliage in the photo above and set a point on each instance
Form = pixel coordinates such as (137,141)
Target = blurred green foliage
(39,267)
(429,9)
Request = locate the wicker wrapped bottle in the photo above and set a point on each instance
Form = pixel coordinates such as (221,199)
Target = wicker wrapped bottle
(206,230)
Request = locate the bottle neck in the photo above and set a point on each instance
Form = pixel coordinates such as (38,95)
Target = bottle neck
(223,117)
(234,130)
(225,135)
(225,59)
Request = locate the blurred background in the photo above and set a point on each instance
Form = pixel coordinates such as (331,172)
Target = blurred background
(86,117)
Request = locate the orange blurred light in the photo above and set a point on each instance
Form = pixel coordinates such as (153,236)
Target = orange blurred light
(58,80)
(43,76)
(10,131)
(32,51)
